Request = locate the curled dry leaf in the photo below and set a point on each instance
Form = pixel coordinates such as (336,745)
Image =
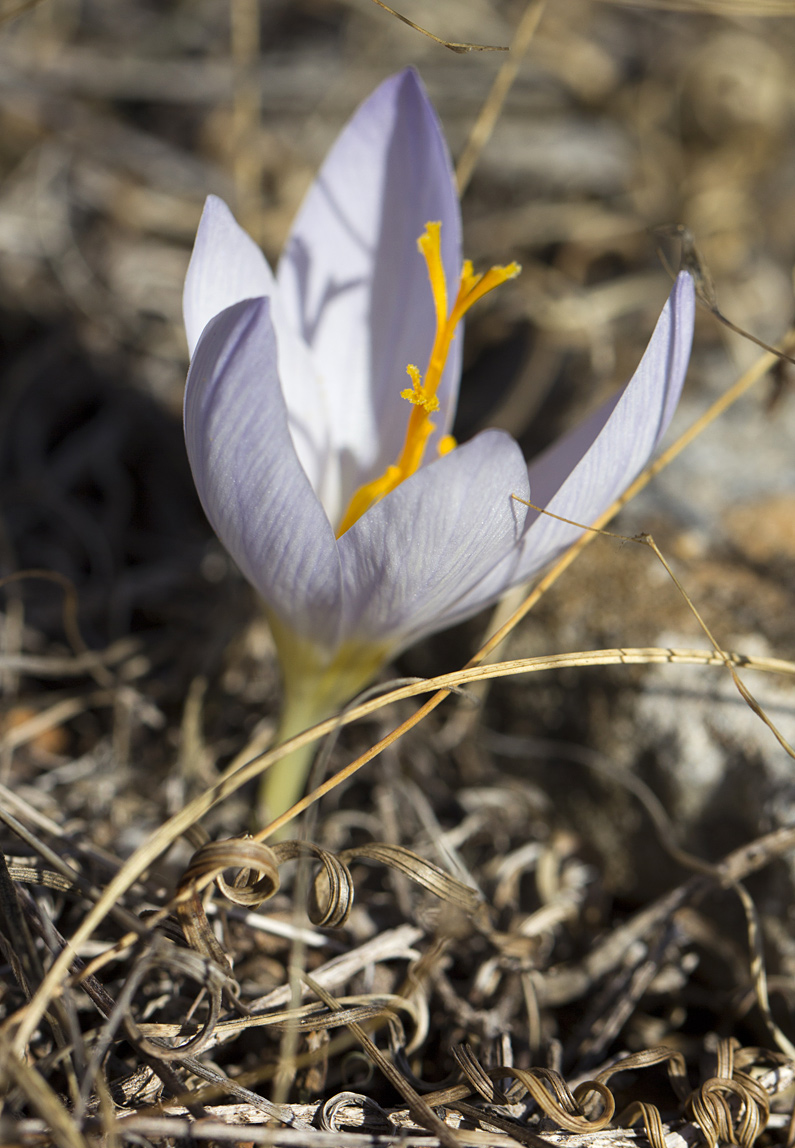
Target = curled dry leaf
(331,893)
(181,962)
(256,881)
(422,872)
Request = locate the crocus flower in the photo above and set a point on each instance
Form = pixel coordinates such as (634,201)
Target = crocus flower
(331,476)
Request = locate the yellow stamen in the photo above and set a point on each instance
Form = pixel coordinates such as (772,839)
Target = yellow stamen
(429,246)
(446,444)
(417,393)
(422,393)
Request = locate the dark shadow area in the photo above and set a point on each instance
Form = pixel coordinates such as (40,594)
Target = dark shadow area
(94,485)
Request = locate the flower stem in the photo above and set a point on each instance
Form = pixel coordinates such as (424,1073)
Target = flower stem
(285,781)
(317,684)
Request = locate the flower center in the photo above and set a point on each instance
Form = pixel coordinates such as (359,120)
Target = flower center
(422,392)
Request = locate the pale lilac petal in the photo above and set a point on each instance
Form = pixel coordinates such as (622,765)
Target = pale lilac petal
(410,558)
(354,282)
(501,577)
(580,476)
(250,481)
(226,267)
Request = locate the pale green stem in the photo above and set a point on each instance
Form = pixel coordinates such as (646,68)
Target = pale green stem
(316,685)
(285,781)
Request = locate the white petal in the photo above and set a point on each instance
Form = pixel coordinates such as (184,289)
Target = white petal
(410,559)
(250,481)
(226,267)
(354,282)
(582,474)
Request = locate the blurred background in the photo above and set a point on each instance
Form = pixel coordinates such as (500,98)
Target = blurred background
(116,120)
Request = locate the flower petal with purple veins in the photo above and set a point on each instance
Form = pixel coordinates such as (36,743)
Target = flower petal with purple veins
(252,486)
(585,471)
(411,557)
(353,283)
(227,267)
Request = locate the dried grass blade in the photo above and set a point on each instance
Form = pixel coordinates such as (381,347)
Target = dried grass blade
(652,1121)
(451,44)
(476,1076)
(333,1106)
(474,672)
(552,1094)
(490,112)
(15,939)
(331,893)
(101,674)
(510,1127)
(194,966)
(246,855)
(29,875)
(15,1071)
(758,972)
(417,869)
(677,1072)
(742,689)
(420,1110)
